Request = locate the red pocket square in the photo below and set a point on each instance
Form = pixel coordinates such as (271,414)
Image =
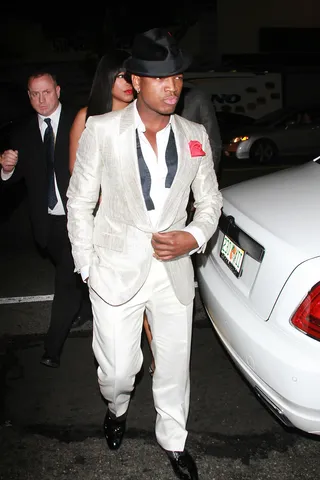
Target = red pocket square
(196,149)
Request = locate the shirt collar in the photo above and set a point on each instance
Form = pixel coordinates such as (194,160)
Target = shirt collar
(54,116)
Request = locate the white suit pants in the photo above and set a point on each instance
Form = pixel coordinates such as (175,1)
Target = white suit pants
(117,348)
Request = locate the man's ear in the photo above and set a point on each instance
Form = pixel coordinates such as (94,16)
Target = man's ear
(136,82)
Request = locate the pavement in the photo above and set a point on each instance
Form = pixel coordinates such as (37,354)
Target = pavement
(52,418)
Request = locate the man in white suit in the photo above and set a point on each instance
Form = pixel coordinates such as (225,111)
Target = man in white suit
(135,253)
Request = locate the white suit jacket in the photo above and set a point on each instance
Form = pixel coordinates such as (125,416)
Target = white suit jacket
(116,242)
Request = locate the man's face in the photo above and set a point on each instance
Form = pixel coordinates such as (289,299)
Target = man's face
(44,94)
(159,95)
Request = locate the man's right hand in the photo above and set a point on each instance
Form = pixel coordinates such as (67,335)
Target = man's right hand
(8,160)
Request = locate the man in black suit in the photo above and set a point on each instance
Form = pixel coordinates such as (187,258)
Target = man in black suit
(40,155)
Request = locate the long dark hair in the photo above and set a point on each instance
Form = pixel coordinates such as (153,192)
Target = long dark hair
(100,97)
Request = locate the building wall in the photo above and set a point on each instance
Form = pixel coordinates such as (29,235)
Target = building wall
(239,22)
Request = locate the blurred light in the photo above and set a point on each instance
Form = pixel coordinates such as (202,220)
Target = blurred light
(240,139)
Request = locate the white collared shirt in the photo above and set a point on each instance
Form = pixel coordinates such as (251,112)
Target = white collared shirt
(55,117)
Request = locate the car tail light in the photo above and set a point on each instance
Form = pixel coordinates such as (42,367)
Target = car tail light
(307,316)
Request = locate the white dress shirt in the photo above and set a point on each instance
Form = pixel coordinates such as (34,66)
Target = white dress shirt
(55,116)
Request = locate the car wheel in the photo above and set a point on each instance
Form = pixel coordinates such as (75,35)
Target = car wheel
(263,151)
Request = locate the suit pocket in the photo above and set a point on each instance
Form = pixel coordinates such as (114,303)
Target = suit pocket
(110,240)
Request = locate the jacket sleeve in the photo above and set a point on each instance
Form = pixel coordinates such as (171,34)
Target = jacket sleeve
(14,143)
(83,194)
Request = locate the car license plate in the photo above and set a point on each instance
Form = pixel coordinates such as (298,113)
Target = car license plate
(232,255)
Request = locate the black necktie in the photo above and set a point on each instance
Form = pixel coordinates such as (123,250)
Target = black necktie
(145,176)
(171,156)
(48,141)
(171,159)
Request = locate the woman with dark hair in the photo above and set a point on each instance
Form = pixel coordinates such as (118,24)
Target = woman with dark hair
(110,91)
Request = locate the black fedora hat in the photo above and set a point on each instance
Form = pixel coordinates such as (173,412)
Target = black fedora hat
(155,53)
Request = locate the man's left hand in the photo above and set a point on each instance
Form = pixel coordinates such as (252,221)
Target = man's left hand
(170,245)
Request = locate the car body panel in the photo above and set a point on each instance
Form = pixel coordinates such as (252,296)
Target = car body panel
(254,205)
(260,198)
(252,313)
(287,372)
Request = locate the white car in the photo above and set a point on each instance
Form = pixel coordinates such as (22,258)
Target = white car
(259,280)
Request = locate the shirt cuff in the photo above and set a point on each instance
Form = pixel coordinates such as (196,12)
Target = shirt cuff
(5,175)
(84,272)
(198,235)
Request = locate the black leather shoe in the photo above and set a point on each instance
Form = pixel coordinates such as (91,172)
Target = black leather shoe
(183,465)
(114,429)
(53,362)
(80,320)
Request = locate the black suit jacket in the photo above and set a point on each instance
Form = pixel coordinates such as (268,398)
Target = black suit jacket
(31,166)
